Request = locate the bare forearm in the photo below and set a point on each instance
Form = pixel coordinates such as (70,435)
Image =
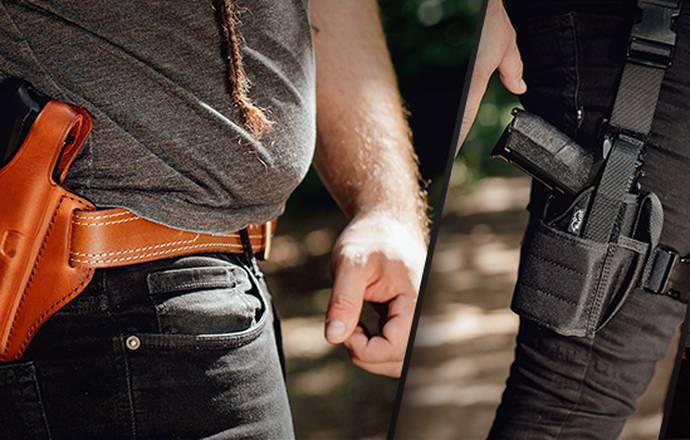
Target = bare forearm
(364,153)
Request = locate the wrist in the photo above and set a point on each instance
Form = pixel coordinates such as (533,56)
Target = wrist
(393,222)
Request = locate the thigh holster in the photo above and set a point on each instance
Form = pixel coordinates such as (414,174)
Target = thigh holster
(596,236)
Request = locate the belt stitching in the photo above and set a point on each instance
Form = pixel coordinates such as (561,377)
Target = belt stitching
(145,248)
(152,254)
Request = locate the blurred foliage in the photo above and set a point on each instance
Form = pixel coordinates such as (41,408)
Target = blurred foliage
(428,34)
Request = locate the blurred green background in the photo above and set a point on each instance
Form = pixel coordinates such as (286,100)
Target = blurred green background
(430,41)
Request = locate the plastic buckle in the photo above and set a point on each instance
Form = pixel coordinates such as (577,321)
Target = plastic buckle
(678,284)
(670,275)
(664,263)
(653,39)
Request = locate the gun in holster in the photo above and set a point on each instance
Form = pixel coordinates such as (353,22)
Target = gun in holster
(42,137)
(596,238)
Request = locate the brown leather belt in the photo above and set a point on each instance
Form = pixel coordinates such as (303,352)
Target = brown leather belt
(118,237)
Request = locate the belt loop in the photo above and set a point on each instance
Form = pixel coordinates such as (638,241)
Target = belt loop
(249,252)
(247,244)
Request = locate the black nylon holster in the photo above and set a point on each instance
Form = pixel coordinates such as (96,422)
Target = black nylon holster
(583,253)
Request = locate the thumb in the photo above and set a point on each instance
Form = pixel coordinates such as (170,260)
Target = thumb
(511,69)
(346,302)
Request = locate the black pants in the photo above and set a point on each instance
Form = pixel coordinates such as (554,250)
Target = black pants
(177,349)
(580,388)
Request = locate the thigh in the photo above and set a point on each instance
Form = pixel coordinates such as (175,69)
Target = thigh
(568,387)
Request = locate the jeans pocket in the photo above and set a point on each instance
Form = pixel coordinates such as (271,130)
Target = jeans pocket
(214,364)
(21,408)
(205,303)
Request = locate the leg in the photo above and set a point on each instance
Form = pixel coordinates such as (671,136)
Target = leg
(567,387)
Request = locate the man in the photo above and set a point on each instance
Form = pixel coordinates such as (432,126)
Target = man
(205,116)
(574,52)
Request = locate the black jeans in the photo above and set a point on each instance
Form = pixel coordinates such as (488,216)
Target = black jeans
(581,388)
(176,349)
(678,415)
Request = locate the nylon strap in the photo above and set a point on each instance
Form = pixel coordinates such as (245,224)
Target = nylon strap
(649,54)
(638,94)
(615,182)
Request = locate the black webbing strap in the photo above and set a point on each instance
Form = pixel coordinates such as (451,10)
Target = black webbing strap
(637,97)
(650,53)
(615,182)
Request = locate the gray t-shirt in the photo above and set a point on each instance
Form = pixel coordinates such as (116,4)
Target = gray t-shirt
(167,141)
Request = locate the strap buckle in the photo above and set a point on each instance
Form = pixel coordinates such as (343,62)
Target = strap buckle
(653,39)
(669,275)
(267,231)
(268,240)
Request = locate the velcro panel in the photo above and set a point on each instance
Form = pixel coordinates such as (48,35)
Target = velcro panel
(557,281)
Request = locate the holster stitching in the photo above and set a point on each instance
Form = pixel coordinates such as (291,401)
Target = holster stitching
(553,295)
(113,222)
(555,263)
(31,278)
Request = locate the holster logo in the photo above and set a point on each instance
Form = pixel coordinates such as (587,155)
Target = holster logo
(576,221)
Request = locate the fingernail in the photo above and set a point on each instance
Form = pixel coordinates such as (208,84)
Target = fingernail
(335,329)
(523,84)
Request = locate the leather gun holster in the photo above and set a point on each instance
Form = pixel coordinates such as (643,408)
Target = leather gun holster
(36,277)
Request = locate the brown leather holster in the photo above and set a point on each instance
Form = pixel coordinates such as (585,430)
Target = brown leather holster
(36,277)
(52,241)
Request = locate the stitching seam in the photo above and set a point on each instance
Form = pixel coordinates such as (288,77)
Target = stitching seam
(152,254)
(129,251)
(147,248)
(552,295)
(33,328)
(99,217)
(130,396)
(10,336)
(46,312)
(112,222)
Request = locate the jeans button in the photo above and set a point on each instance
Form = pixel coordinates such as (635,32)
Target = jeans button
(133,343)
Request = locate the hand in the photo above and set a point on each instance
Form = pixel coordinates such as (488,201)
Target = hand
(378,259)
(497,50)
